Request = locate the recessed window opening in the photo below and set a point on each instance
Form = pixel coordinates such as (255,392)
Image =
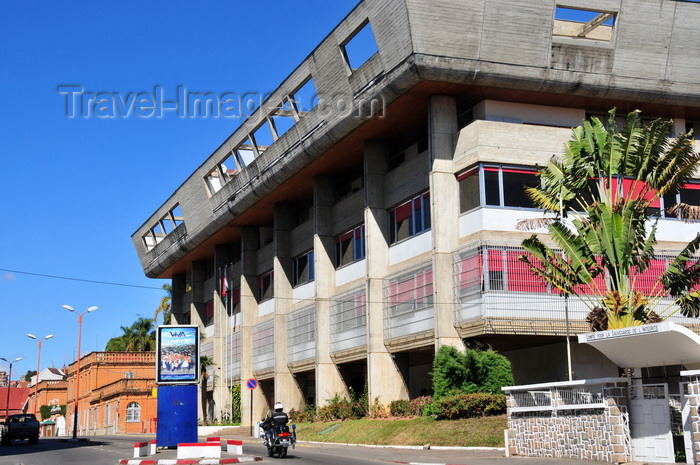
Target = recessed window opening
(360,46)
(303,268)
(265,282)
(221,174)
(583,23)
(133,412)
(245,154)
(410,218)
(284,118)
(262,137)
(305,98)
(350,246)
(347,189)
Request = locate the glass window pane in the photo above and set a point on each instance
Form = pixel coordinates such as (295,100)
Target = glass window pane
(491,188)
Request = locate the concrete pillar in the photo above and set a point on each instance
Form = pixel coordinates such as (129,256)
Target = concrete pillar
(177,297)
(383,377)
(198,274)
(223,256)
(329,382)
(250,243)
(286,388)
(444,211)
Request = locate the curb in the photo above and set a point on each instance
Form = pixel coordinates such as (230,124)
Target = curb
(189,461)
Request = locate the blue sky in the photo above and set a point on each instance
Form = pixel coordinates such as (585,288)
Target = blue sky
(73,190)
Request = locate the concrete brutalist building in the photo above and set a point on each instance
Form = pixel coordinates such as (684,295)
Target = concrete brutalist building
(336,242)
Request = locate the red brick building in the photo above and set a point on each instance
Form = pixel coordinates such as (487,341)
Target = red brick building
(116,393)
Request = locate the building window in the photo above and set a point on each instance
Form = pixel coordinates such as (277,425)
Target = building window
(350,247)
(409,218)
(502,186)
(208,313)
(235,305)
(265,282)
(129,375)
(303,268)
(186,318)
(578,23)
(133,412)
(411,291)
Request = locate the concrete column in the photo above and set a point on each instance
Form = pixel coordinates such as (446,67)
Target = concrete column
(222,258)
(286,388)
(329,382)
(444,211)
(383,377)
(198,273)
(250,243)
(177,297)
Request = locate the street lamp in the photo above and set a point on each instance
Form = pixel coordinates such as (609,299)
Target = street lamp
(77,370)
(9,378)
(38,360)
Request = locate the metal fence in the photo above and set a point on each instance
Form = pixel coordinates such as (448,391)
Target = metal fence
(408,302)
(348,320)
(301,335)
(264,346)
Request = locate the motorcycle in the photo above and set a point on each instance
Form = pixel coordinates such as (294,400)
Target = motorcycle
(278,438)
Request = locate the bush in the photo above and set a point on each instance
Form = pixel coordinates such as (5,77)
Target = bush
(473,371)
(307,415)
(411,408)
(469,406)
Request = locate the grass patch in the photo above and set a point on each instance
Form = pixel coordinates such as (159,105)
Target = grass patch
(470,432)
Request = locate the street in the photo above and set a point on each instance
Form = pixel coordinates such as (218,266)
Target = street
(108,450)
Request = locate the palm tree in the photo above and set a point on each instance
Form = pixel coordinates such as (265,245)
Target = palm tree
(142,336)
(164,306)
(599,192)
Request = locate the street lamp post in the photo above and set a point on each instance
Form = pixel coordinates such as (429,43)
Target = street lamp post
(9,378)
(38,362)
(77,370)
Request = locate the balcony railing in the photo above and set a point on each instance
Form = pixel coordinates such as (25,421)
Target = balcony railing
(494,292)
(568,395)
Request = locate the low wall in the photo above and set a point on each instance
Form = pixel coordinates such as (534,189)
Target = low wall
(581,420)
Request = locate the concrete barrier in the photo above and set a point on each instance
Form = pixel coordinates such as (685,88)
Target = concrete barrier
(153,447)
(234,446)
(199,450)
(141,449)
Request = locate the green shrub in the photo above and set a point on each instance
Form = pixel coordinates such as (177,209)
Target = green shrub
(455,372)
(469,406)
(236,403)
(410,408)
(307,415)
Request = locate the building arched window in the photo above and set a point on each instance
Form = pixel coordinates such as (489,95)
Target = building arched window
(133,412)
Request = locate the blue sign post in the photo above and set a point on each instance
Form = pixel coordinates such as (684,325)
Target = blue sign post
(252,383)
(177,375)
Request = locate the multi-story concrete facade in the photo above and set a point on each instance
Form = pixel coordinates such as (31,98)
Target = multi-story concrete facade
(334,243)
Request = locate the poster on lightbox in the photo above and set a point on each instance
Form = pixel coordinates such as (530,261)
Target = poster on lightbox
(178,354)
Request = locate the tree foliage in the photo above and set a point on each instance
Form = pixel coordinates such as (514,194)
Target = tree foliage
(165,306)
(483,371)
(599,191)
(139,337)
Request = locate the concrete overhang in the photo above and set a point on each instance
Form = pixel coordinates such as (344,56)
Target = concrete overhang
(650,345)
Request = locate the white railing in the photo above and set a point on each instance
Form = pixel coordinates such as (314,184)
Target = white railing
(567,395)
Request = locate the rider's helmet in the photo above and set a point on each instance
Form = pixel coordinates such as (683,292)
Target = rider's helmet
(279,407)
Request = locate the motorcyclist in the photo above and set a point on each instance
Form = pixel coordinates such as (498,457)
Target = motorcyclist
(274,418)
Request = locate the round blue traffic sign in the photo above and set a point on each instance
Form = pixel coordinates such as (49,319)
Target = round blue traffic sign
(252,383)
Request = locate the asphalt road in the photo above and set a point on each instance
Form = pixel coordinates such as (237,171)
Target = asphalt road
(108,450)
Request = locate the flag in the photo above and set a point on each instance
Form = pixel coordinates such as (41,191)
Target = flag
(224,288)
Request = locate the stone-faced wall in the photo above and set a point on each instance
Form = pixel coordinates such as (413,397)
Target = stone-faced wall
(600,434)
(694,400)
